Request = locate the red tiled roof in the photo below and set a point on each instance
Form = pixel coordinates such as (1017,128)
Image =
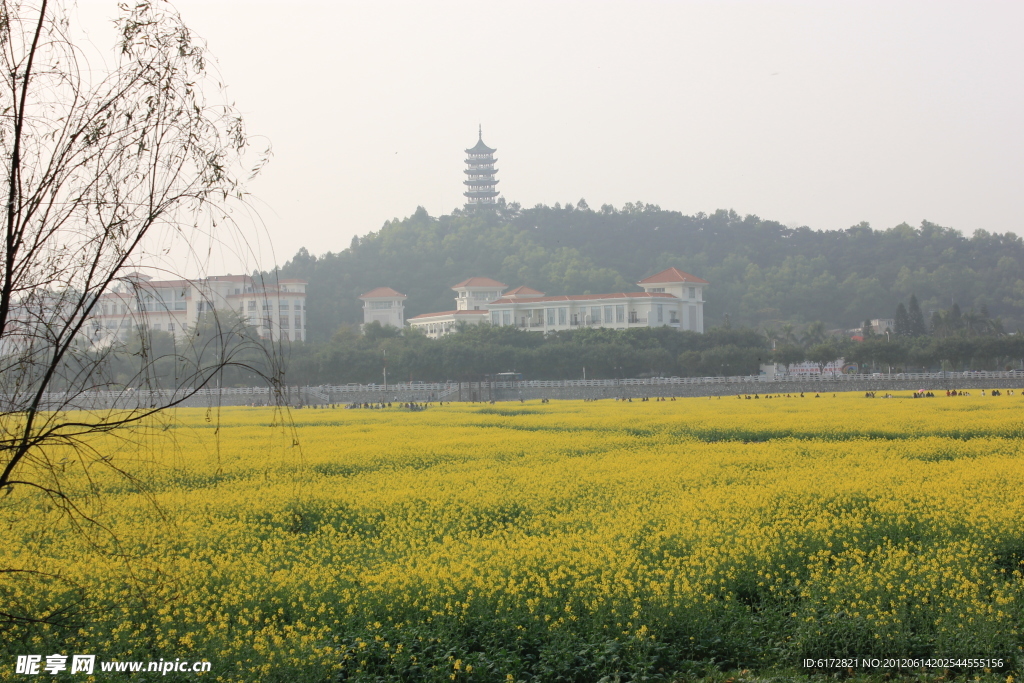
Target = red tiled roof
(480,282)
(584,297)
(522,290)
(435,315)
(382,292)
(671,275)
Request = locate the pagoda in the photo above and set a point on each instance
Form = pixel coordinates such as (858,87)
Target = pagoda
(480,182)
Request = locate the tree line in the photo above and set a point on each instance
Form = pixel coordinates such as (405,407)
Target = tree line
(953,340)
(476,351)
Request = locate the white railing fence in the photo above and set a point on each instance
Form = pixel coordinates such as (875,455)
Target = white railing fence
(441,390)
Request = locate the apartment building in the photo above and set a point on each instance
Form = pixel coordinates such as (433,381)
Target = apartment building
(275,308)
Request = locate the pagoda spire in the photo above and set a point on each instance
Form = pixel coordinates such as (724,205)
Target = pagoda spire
(480,181)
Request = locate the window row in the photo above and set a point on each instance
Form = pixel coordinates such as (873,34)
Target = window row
(561,316)
(589,315)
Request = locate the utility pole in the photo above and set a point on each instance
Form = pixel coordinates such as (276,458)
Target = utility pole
(385,371)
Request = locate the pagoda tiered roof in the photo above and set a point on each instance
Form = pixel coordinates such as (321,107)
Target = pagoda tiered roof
(480,184)
(480,148)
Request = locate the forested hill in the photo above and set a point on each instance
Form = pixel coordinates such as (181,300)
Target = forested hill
(759,270)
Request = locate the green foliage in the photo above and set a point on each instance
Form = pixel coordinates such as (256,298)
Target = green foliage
(759,270)
(479,350)
(824,353)
(915,318)
(223,346)
(475,351)
(901,327)
(788,354)
(798,283)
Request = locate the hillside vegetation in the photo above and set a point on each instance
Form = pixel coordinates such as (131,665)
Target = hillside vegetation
(761,272)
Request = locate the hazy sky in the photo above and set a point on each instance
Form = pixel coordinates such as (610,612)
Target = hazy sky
(814,113)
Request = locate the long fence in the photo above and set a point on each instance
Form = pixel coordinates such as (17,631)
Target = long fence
(513,389)
(852,379)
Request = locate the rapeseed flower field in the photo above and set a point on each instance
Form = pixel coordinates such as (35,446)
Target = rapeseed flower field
(514,542)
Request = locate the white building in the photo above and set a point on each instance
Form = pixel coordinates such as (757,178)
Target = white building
(385,306)
(471,301)
(276,309)
(770,371)
(670,298)
(475,293)
(883,325)
(33,320)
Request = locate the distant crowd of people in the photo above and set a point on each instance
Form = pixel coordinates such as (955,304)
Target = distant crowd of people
(381,405)
(640,400)
(801,395)
(925,393)
(414,406)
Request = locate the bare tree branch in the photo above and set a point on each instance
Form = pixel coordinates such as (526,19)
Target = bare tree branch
(96,167)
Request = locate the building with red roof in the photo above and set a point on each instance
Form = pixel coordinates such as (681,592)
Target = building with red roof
(670,298)
(672,275)
(385,306)
(472,297)
(523,291)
